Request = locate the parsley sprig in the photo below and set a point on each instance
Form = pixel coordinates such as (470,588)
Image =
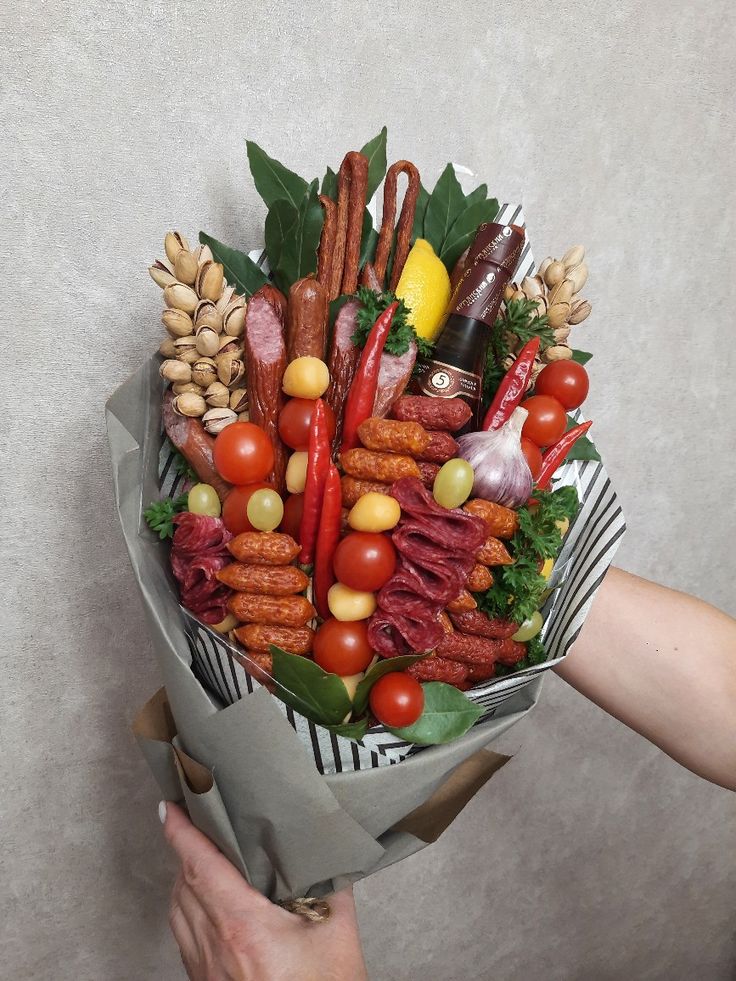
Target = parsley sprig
(401,334)
(160,515)
(520,318)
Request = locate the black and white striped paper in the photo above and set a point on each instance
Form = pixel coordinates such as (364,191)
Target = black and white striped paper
(589,547)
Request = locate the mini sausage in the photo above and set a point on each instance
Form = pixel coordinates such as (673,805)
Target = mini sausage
(463,601)
(264,548)
(480,579)
(260,636)
(392,436)
(500,522)
(383,467)
(287,611)
(448,415)
(493,552)
(477,623)
(353,490)
(441,448)
(264,580)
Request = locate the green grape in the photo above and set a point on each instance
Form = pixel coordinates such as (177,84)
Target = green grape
(265,509)
(453,484)
(529,628)
(203,499)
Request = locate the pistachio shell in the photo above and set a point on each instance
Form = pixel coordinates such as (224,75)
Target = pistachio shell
(186,349)
(554,273)
(208,340)
(161,274)
(532,287)
(178,296)
(185,267)
(217,395)
(580,312)
(215,420)
(573,257)
(180,388)
(210,281)
(204,254)
(189,404)
(562,293)
(177,323)
(557,314)
(173,244)
(561,334)
(509,290)
(233,319)
(166,348)
(518,295)
(559,352)
(228,294)
(230,345)
(543,266)
(578,276)
(204,371)
(239,400)
(230,369)
(175,371)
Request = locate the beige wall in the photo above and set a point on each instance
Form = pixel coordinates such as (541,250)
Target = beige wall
(591,856)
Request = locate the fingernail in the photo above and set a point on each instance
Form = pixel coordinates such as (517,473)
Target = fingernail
(162,812)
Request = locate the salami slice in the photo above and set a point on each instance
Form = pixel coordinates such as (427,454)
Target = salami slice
(394,373)
(265,362)
(198,552)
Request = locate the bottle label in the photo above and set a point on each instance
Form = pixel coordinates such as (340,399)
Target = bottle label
(445,381)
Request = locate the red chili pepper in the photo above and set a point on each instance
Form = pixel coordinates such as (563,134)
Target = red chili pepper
(329,535)
(557,453)
(318,461)
(512,388)
(362,394)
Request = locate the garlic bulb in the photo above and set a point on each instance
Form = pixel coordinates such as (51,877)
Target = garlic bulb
(502,474)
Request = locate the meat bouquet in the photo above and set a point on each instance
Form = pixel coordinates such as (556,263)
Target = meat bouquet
(385,514)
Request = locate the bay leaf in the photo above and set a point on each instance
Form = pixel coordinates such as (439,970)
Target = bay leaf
(445,204)
(274,181)
(464,228)
(375,151)
(309,690)
(240,270)
(447,715)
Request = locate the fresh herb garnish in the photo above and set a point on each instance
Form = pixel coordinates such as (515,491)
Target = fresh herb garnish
(518,323)
(401,334)
(160,514)
(182,465)
(535,654)
(518,589)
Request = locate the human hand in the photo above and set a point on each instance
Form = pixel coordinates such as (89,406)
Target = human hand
(227,931)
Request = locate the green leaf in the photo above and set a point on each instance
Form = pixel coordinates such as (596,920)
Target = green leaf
(281,218)
(309,690)
(479,194)
(368,240)
(240,271)
(375,150)
(447,715)
(464,228)
(583,449)
(329,184)
(420,213)
(299,250)
(160,515)
(582,357)
(351,730)
(379,669)
(445,204)
(274,181)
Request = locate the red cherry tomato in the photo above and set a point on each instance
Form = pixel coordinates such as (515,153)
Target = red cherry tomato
(397,700)
(342,647)
(364,560)
(533,456)
(295,419)
(566,381)
(546,421)
(292,519)
(235,508)
(243,453)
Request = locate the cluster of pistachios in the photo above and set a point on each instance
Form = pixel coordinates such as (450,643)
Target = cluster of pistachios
(205,319)
(556,290)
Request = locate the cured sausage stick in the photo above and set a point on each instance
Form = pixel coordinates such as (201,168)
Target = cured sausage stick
(352,190)
(189,437)
(405,224)
(326,254)
(306,319)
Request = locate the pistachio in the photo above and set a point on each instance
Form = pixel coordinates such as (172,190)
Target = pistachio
(531,287)
(243,417)
(561,334)
(578,276)
(186,349)
(215,420)
(573,257)
(173,244)
(210,318)
(166,348)
(180,297)
(543,266)
(518,295)
(189,404)
(228,294)
(557,314)
(559,352)
(233,319)
(239,399)
(217,395)
(230,369)
(210,281)
(204,372)
(508,291)
(554,273)
(185,267)
(177,323)
(203,308)
(175,371)
(161,274)
(208,340)
(230,345)
(180,388)
(204,254)
(580,312)
(561,293)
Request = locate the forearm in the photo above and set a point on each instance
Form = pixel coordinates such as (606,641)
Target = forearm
(664,664)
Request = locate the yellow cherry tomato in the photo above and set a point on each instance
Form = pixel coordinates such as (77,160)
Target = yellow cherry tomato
(350,604)
(226,625)
(374,512)
(296,472)
(529,628)
(547,568)
(453,483)
(265,509)
(563,524)
(306,378)
(203,499)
